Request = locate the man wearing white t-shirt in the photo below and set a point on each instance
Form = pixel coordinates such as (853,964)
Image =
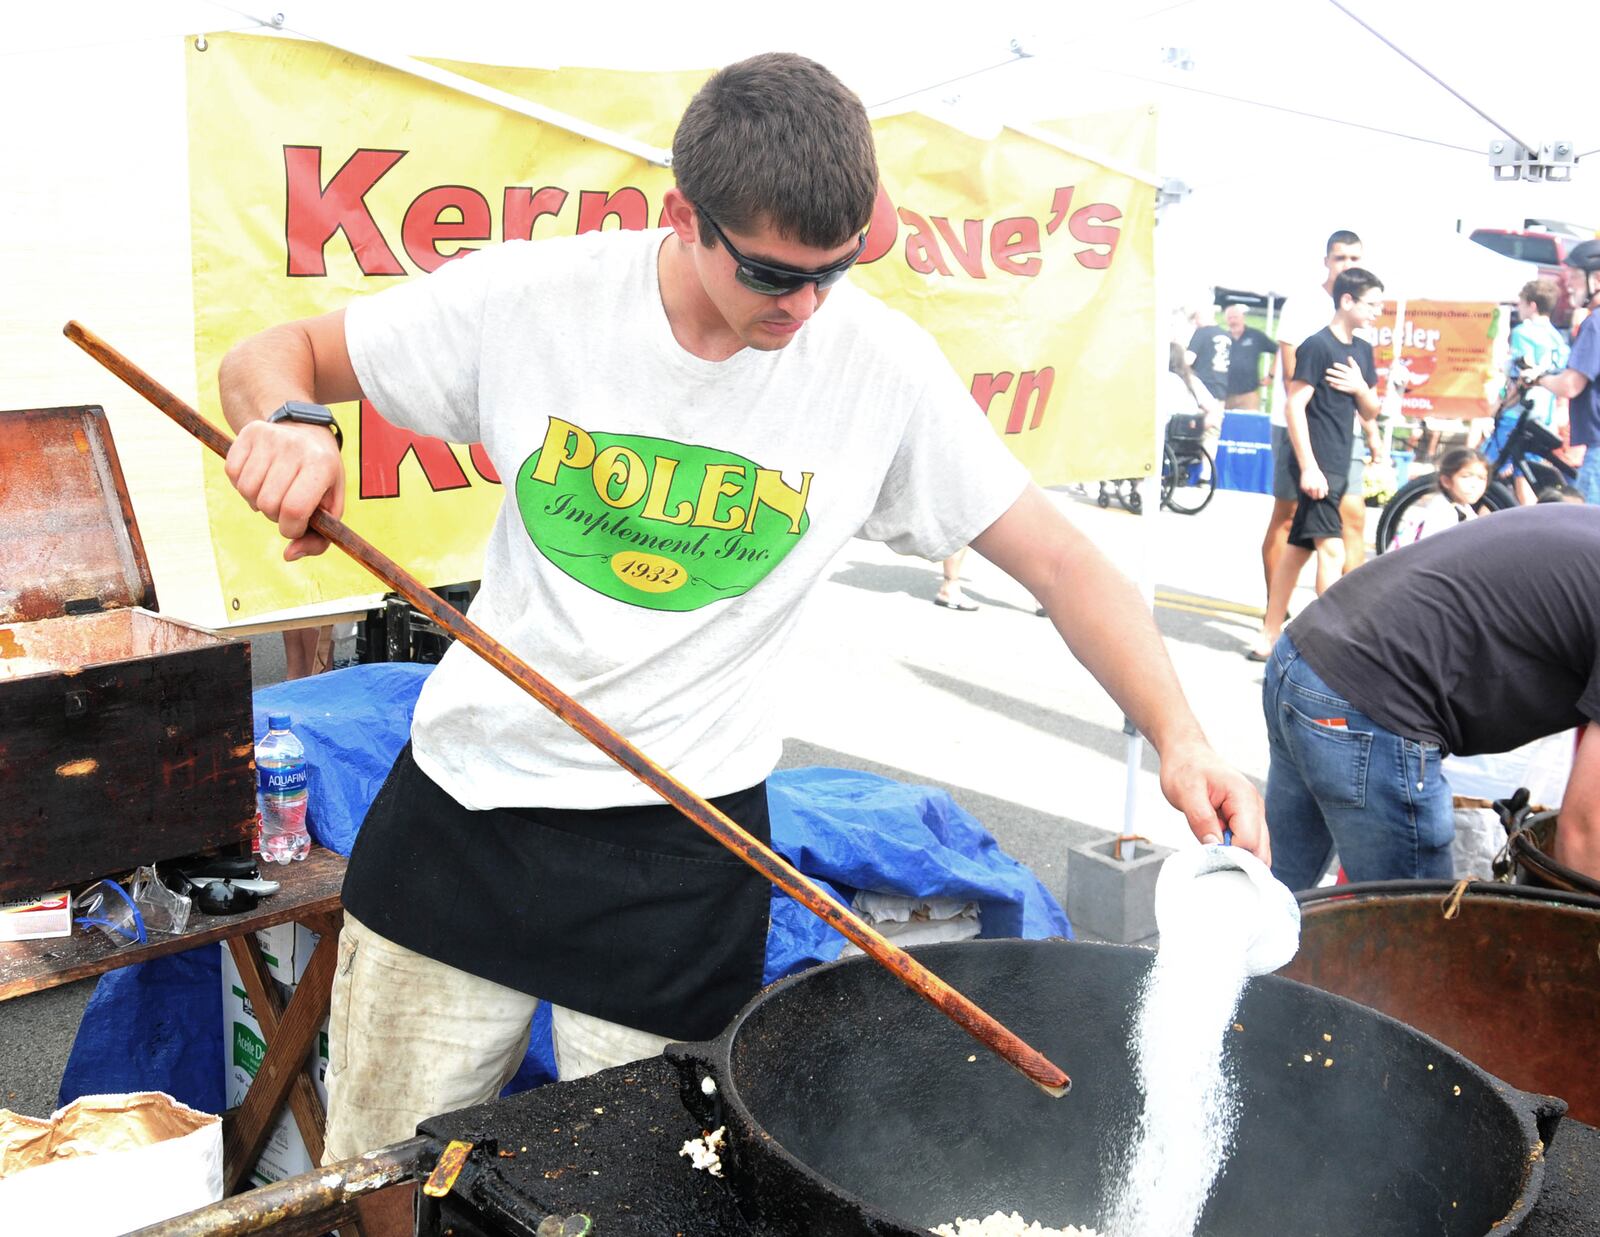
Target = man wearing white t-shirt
(686,441)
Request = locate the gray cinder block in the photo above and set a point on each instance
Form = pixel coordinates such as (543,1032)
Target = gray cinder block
(1113,899)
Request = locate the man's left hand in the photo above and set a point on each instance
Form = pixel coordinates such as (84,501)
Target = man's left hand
(1213,796)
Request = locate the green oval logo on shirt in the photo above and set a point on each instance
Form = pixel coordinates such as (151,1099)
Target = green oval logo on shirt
(656,523)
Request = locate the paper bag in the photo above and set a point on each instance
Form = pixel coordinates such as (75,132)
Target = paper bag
(113,1163)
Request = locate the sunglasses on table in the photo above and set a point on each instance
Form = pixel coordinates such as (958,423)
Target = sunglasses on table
(773,279)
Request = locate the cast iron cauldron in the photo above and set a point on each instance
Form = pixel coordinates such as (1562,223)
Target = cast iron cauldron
(854,1108)
(1509,980)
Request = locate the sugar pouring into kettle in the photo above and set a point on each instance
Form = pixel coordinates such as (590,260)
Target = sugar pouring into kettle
(1222,918)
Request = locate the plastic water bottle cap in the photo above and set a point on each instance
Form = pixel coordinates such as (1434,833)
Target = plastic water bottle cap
(278,721)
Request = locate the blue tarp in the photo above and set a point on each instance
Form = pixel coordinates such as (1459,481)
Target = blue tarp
(158,1026)
(153,1027)
(855,831)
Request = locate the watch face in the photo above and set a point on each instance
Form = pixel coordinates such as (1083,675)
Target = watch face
(307,414)
(298,410)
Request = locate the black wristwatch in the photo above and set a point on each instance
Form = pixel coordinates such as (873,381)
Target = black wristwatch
(308,414)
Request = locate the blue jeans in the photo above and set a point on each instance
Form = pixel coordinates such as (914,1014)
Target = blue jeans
(1377,799)
(1589,475)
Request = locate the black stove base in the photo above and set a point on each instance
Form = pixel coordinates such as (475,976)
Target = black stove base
(606,1147)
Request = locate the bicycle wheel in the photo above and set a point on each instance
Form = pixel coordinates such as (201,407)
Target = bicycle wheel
(1392,518)
(1498,497)
(1419,489)
(1194,480)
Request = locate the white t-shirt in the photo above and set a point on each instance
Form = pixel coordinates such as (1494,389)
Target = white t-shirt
(666,516)
(1173,396)
(1432,515)
(1304,314)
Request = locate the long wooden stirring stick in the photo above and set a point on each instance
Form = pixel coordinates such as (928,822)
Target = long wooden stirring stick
(985,1029)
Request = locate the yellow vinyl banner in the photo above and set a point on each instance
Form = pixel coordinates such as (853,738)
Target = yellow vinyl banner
(317,176)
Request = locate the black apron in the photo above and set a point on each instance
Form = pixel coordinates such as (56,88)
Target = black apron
(630,914)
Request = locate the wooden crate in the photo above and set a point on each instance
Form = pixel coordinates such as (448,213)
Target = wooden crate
(125,737)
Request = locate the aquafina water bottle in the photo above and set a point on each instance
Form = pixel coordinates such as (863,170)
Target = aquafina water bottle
(281,792)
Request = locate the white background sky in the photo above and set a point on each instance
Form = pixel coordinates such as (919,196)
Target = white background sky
(1268,184)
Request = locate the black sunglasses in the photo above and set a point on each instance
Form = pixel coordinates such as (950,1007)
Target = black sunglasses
(771,279)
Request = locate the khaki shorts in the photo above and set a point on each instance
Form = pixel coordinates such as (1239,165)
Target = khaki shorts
(410,1038)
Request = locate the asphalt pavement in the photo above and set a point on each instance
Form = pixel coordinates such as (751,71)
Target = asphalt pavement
(987,704)
(991,704)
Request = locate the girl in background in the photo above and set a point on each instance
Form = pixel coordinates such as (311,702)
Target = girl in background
(1462,478)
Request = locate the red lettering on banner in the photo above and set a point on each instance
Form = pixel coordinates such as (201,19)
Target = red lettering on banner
(882,230)
(969,250)
(628,206)
(314,212)
(480,461)
(1011,237)
(986,386)
(1059,206)
(522,208)
(1086,225)
(425,226)
(922,250)
(384,448)
(1032,383)
(444,214)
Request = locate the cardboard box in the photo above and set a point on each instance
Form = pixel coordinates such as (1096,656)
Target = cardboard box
(288,950)
(37,918)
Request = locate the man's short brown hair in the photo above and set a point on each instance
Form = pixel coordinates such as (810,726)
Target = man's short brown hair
(777,139)
(1541,293)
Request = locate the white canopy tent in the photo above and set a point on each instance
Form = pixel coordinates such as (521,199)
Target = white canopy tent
(1290,119)
(1446,267)
(1286,118)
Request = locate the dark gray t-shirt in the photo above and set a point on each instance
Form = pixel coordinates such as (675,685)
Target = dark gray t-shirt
(1479,639)
(1212,347)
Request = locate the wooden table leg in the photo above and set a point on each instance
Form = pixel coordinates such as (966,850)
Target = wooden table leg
(289,1032)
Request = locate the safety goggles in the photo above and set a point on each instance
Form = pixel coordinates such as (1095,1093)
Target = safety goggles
(108,906)
(772,279)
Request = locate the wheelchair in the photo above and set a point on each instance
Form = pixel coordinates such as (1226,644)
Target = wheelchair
(1188,473)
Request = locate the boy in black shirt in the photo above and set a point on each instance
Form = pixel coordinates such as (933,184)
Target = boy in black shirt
(1333,381)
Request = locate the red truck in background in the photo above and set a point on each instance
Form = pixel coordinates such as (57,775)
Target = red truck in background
(1545,249)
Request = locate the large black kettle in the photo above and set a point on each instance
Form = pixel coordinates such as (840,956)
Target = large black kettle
(853,1108)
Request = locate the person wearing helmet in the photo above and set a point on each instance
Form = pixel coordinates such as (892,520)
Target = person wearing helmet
(1576,383)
